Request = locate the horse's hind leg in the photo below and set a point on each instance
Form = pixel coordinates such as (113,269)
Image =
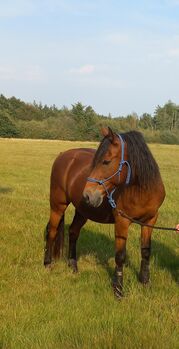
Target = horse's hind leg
(54,235)
(59,240)
(146,232)
(74,231)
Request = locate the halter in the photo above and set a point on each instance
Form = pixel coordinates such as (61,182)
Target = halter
(102,181)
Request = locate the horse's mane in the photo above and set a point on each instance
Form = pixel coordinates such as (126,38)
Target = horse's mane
(144,168)
(145,171)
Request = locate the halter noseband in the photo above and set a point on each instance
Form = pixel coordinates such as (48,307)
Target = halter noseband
(102,181)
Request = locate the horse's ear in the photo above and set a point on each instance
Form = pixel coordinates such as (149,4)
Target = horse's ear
(107,132)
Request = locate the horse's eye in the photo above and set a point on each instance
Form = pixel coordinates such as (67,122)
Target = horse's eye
(106,162)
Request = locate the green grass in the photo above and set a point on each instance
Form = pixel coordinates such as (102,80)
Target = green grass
(41,309)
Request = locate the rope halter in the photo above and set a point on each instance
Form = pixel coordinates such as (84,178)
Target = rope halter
(118,172)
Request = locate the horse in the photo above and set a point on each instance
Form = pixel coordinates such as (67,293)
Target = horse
(120,176)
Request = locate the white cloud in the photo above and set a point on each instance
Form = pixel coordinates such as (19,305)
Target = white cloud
(173,2)
(107,82)
(16,8)
(29,73)
(174,52)
(7,73)
(117,38)
(76,7)
(83,70)
(33,73)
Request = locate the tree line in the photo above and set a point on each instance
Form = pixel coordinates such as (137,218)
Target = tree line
(25,120)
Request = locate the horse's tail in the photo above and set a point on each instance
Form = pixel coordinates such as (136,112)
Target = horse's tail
(59,240)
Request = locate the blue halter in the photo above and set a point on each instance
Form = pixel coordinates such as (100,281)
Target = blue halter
(102,181)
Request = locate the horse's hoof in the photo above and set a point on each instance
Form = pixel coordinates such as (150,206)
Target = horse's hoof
(144,279)
(75,270)
(145,283)
(118,293)
(48,266)
(72,263)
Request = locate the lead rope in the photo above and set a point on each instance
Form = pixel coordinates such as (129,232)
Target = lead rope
(136,221)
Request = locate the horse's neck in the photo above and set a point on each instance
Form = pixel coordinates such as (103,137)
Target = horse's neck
(133,195)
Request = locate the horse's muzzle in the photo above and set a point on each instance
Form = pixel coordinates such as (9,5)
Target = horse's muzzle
(92,198)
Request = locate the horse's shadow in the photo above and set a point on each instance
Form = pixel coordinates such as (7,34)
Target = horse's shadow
(165,258)
(97,244)
(5,190)
(102,247)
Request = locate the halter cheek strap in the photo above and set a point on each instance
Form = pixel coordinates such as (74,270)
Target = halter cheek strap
(122,162)
(102,181)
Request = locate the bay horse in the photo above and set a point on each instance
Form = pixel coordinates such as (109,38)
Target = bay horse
(121,175)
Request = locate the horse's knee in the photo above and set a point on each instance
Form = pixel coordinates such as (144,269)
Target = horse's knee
(53,233)
(53,225)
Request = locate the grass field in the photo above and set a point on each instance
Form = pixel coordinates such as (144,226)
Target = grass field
(57,309)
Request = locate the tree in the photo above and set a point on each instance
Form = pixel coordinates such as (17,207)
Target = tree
(78,112)
(166,117)
(132,120)
(7,127)
(146,121)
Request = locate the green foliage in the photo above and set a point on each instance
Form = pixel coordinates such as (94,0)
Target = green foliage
(146,122)
(20,119)
(167,117)
(7,127)
(168,137)
(85,121)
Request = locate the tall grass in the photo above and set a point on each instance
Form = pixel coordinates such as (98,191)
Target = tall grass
(41,309)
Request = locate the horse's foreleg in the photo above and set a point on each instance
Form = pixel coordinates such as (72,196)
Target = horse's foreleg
(74,231)
(121,233)
(146,232)
(51,233)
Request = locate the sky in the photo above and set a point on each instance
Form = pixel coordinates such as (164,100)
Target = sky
(118,56)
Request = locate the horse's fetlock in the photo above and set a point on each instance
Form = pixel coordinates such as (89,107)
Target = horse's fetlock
(144,275)
(145,253)
(72,263)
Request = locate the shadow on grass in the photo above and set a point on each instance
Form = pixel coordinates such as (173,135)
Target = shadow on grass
(96,244)
(166,258)
(102,247)
(5,190)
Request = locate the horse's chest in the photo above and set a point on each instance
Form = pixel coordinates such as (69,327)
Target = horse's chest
(102,214)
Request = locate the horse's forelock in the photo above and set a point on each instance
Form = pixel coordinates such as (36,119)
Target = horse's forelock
(101,151)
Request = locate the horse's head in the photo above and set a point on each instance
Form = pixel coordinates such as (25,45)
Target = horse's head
(107,171)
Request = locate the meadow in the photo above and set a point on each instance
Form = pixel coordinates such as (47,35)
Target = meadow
(60,310)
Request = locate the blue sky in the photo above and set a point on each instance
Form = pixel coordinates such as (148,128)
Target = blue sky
(117,56)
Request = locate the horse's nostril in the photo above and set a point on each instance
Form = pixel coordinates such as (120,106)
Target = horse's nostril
(92,199)
(86,197)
